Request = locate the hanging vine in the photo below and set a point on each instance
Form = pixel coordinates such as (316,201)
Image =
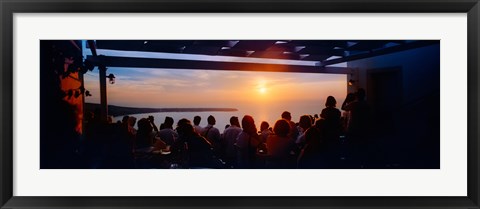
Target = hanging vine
(65,64)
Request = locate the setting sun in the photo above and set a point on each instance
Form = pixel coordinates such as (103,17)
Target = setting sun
(262,90)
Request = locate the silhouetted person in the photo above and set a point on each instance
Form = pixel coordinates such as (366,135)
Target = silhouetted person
(198,149)
(182,122)
(152,122)
(167,134)
(247,143)
(131,123)
(109,119)
(125,119)
(359,115)
(125,124)
(131,132)
(114,144)
(313,153)
(118,148)
(304,124)
(196,124)
(229,138)
(293,131)
(265,131)
(333,127)
(280,146)
(358,127)
(179,148)
(212,134)
(346,116)
(330,112)
(145,136)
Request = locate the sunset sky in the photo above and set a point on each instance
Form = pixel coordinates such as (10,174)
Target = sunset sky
(142,87)
(147,87)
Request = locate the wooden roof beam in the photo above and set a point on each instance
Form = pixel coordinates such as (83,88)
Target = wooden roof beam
(111,61)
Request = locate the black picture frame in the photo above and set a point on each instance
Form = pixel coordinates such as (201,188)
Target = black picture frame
(10,7)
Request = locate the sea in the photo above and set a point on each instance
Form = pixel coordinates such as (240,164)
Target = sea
(268,113)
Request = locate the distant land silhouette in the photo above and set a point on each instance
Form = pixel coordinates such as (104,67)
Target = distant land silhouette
(114,110)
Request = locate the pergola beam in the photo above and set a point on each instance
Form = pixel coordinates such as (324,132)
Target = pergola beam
(102,70)
(389,50)
(112,61)
(93,48)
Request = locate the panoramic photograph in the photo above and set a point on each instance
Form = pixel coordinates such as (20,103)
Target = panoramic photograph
(239,104)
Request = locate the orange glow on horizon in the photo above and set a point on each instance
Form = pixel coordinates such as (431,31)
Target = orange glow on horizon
(200,88)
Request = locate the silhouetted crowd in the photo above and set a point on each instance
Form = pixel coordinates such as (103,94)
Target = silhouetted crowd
(330,140)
